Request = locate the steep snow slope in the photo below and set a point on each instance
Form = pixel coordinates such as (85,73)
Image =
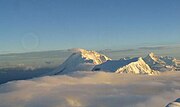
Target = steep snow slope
(80,60)
(138,67)
(174,104)
(134,65)
(161,63)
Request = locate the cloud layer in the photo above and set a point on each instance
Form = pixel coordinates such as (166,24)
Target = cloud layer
(87,89)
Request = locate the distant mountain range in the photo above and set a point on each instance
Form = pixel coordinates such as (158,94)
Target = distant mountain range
(161,63)
(84,60)
(35,64)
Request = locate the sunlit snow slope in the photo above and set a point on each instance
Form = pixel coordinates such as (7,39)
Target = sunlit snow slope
(80,60)
(161,63)
(134,66)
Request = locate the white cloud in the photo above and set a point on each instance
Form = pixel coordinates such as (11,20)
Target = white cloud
(87,89)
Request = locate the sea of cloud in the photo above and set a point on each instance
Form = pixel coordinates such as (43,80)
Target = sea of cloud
(92,89)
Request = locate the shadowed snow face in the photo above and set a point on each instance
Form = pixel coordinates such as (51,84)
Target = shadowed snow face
(88,89)
(176,103)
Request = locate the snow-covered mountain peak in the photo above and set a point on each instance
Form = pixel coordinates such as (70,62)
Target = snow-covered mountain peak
(153,57)
(81,60)
(76,50)
(132,65)
(140,59)
(160,63)
(151,54)
(95,57)
(86,60)
(137,67)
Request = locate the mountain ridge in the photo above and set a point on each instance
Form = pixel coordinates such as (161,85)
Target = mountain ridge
(87,60)
(161,63)
(81,60)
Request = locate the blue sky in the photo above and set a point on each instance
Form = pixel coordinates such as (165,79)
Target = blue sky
(35,25)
